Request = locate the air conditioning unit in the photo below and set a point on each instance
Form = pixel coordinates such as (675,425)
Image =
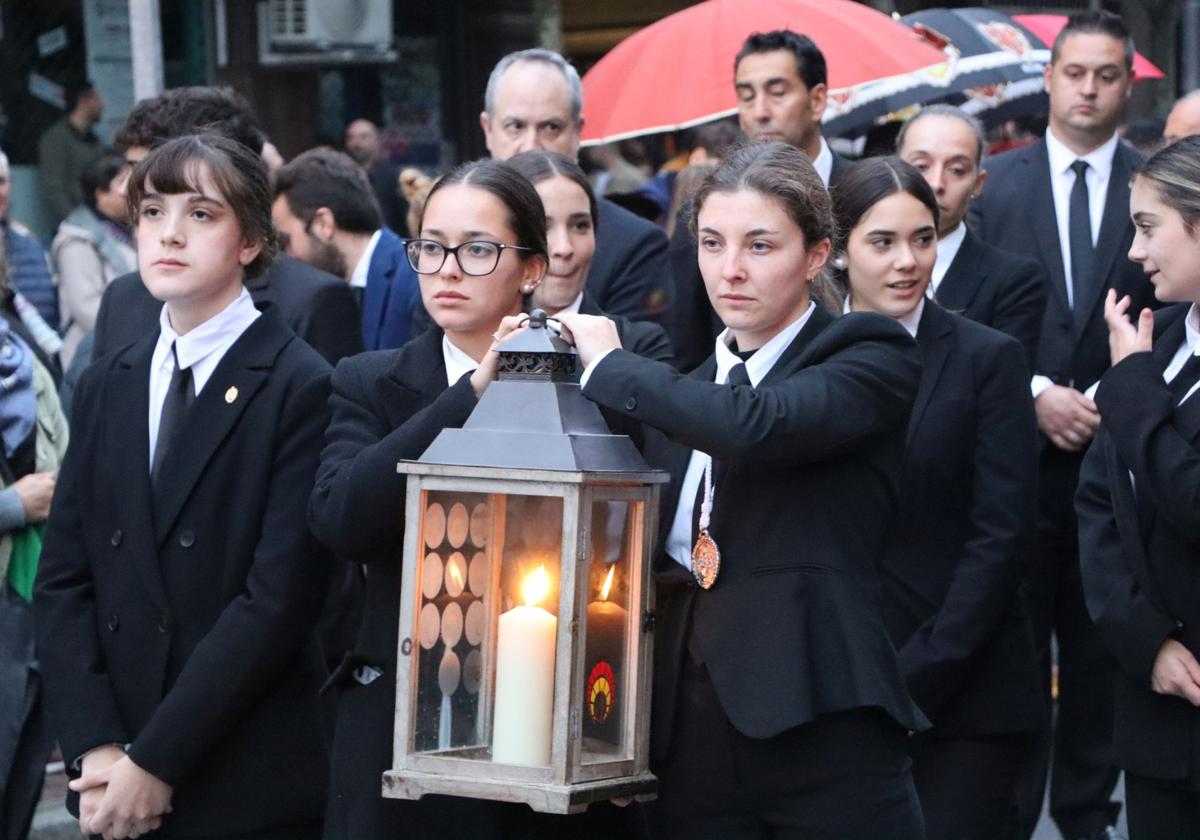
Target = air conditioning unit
(329,24)
(322,31)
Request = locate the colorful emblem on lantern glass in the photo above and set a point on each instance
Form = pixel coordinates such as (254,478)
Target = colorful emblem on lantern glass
(601,692)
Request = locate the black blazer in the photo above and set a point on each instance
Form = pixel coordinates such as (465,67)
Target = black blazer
(1016,214)
(1140,575)
(806,473)
(181,621)
(1004,291)
(961,541)
(319,308)
(640,337)
(628,275)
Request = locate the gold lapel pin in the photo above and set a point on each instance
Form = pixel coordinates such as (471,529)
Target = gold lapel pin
(231,394)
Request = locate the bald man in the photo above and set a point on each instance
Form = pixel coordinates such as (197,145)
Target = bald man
(1184,119)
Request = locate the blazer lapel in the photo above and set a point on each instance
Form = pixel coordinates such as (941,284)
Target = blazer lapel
(218,407)
(1113,228)
(963,278)
(1039,200)
(127,454)
(794,355)
(418,376)
(935,336)
(376,293)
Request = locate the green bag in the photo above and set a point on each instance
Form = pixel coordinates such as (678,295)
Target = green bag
(23,565)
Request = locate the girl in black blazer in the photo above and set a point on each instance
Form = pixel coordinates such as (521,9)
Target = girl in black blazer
(779,707)
(1139,529)
(179,587)
(571,222)
(958,550)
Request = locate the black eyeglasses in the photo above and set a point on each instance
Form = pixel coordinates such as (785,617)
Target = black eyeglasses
(476,257)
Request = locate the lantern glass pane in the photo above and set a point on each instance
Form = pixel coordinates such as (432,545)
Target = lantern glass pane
(527,630)
(608,665)
(451,619)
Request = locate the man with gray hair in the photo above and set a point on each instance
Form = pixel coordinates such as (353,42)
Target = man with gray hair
(997,288)
(1184,119)
(534,100)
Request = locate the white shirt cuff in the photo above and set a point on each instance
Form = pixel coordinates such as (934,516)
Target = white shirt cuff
(587,371)
(1090,393)
(1039,383)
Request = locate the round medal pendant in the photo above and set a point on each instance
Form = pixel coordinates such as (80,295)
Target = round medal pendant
(706,560)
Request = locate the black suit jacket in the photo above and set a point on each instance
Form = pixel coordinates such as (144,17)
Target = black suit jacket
(1016,214)
(805,477)
(628,275)
(180,621)
(1004,291)
(692,324)
(317,306)
(961,541)
(1140,571)
(640,337)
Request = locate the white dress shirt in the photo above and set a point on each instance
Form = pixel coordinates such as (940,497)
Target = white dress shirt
(200,349)
(911,322)
(679,539)
(571,308)
(1062,179)
(1190,346)
(947,250)
(824,163)
(457,362)
(359,276)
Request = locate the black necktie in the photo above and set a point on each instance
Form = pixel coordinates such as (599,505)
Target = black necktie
(1083,253)
(1188,376)
(181,393)
(357,292)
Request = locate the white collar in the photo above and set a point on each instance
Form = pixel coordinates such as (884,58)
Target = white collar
(910,322)
(359,276)
(458,362)
(824,163)
(760,364)
(1099,159)
(947,250)
(1191,329)
(217,333)
(571,308)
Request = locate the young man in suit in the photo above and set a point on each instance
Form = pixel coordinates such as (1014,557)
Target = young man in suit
(1064,201)
(781,83)
(534,100)
(175,616)
(316,305)
(1001,290)
(328,217)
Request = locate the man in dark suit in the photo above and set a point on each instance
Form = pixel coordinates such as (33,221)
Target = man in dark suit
(362,143)
(1004,291)
(782,85)
(1064,201)
(327,216)
(534,100)
(317,306)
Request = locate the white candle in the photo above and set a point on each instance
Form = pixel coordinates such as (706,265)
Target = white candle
(525,679)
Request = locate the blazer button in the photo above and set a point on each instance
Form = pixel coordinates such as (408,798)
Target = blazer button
(113,623)
(187,539)
(116,538)
(164,623)
(631,404)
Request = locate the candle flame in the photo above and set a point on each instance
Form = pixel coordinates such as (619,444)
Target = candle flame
(607,585)
(535,587)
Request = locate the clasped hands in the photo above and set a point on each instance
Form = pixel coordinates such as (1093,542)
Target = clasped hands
(117,798)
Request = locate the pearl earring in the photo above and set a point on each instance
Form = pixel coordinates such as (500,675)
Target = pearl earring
(839,263)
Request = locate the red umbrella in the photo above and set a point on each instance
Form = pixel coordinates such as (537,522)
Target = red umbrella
(678,72)
(1047,28)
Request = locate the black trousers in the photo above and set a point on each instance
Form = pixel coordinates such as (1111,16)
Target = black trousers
(1159,810)
(1074,746)
(966,784)
(845,776)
